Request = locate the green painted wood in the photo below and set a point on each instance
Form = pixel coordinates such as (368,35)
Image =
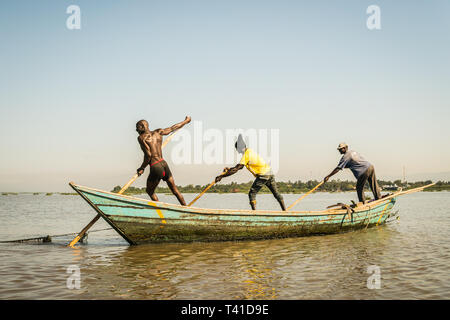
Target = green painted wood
(142,221)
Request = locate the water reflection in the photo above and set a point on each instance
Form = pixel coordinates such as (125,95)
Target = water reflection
(412,253)
(312,267)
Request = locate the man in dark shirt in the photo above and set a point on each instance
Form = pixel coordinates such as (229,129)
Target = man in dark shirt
(362,169)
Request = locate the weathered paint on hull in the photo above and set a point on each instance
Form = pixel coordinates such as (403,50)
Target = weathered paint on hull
(146,232)
(142,221)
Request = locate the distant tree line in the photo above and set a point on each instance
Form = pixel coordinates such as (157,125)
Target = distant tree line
(294,187)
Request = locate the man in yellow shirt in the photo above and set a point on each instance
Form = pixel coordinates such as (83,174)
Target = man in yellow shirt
(259,168)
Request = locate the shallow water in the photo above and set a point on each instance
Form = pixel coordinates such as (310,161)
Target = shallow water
(412,254)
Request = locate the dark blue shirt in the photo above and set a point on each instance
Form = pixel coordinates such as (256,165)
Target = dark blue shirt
(355,162)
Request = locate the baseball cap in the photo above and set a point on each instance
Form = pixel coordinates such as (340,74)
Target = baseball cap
(342,145)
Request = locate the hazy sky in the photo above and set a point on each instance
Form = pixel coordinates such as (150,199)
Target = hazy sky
(69,99)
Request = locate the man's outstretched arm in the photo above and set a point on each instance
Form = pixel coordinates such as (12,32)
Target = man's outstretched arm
(229,171)
(177,126)
(336,170)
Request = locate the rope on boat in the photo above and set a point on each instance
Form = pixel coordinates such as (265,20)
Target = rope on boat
(48,238)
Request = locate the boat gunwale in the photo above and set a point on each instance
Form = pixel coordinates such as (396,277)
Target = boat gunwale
(240,212)
(102,214)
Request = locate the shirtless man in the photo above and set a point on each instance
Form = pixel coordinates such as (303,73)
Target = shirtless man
(150,142)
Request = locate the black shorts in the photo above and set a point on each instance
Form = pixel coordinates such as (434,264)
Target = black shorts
(159,170)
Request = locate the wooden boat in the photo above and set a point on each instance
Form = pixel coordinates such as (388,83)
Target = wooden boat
(141,221)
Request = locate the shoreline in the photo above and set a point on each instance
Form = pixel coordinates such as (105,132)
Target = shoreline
(297,187)
(193,192)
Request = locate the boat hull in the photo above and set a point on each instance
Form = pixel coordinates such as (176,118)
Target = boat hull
(141,221)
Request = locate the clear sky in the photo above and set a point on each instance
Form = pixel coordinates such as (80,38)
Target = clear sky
(69,99)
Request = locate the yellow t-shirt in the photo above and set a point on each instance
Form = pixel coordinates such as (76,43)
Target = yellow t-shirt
(254,163)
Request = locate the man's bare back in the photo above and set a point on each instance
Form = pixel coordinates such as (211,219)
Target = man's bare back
(150,143)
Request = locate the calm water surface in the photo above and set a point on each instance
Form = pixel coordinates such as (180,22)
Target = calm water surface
(413,254)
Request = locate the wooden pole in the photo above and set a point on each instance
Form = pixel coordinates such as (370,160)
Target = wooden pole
(202,193)
(82,232)
(302,197)
(125,187)
(204,190)
(166,141)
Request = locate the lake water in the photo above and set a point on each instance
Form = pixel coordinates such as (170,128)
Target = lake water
(412,255)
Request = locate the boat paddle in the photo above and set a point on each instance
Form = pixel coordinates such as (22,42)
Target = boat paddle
(204,190)
(302,197)
(125,187)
